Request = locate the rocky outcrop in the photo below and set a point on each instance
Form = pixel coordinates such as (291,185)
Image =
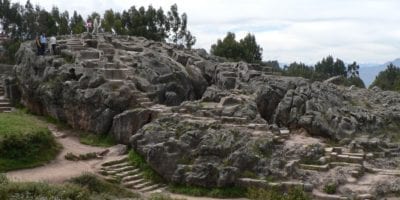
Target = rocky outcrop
(198,119)
(94,79)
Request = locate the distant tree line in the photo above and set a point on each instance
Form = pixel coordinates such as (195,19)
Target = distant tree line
(24,22)
(326,68)
(249,51)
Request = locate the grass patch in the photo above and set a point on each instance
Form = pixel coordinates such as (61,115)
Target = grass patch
(25,142)
(159,196)
(139,162)
(101,140)
(101,187)
(229,192)
(330,188)
(84,187)
(273,194)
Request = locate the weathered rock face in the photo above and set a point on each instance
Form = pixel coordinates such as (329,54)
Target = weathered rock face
(93,80)
(214,122)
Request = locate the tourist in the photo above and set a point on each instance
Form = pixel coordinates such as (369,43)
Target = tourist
(43,42)
(38,46)
(88,25)
(96,25)
(53,43)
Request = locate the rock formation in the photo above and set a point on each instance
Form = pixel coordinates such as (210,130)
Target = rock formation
(200,120)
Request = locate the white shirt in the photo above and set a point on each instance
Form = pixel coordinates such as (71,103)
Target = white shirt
(53,40)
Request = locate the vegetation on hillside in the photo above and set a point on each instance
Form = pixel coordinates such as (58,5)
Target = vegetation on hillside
(84,187)
(389,79)
(246,49)
(326,68)
(25,22)
(24,142)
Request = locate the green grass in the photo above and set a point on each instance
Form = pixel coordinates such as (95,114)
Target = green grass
(273,194)
(330,188)
(229,192)
(25,142)
(100,187)
(84,187)
(139,162)
(102,140)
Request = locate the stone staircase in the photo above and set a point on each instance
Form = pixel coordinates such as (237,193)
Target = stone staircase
(340,156)
(5,106)
(75,44)
(121,171)
(142,99)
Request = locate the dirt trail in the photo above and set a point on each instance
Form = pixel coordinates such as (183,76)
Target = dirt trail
(60,169)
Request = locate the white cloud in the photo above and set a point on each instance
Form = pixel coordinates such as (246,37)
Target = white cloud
(288,30)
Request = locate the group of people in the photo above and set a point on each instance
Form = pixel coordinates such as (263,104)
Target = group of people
(41,43)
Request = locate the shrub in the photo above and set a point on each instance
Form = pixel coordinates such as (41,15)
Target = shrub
(24,142)
(101,140)
(330,188)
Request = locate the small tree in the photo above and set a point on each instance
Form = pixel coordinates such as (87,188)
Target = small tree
(246,50)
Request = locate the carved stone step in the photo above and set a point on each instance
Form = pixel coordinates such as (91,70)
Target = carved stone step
(124,169)
(115,162)
(147,104)
(5,109)
(116,166)
(132,177)
(151,188)
(142,185)
(108,51)
(315,167)
(89,54)
(126,173)
(134,182)
(239,120)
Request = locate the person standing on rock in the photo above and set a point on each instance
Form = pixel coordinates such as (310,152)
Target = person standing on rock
(43,42)
(88,25)
(38,46)
(96,25)
(53,43)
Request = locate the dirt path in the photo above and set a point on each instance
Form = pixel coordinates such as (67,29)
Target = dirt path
(60,169)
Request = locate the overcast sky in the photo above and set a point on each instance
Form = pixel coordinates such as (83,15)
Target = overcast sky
(367,31)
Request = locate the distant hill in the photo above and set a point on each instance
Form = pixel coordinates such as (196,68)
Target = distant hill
(368,72)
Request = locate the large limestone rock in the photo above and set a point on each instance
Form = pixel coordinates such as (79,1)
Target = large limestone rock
(95,79)
(195,118)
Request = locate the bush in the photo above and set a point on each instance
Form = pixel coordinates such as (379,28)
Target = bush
(330,188)
(102,140)
(24,142)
